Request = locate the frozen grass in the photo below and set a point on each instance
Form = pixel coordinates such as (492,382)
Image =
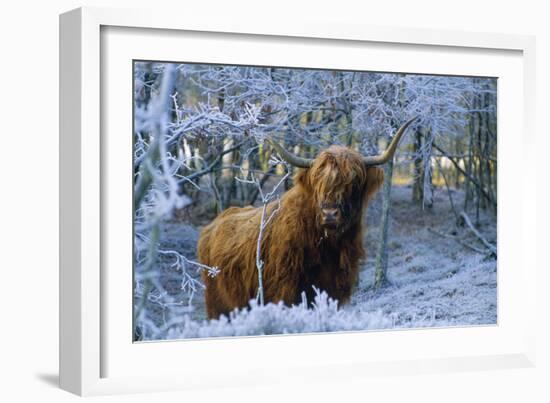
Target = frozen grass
(324,316)
(433,282)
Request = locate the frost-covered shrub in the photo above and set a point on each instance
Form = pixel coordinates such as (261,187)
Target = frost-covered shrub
(271,318)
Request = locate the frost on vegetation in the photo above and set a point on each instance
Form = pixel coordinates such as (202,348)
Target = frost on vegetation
(269,319)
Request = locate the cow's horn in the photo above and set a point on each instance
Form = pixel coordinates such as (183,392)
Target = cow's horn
(390,151)
(289,157)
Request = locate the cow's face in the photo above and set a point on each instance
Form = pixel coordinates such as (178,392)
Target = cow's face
(340,184)
(340,180)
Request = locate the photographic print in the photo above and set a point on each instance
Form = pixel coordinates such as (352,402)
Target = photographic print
(277,200)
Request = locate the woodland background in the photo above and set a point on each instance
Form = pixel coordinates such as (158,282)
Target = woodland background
(199,148)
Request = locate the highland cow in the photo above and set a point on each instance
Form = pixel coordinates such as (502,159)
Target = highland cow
(315,238)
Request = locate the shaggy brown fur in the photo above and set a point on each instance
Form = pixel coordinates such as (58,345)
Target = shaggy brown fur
(297,249)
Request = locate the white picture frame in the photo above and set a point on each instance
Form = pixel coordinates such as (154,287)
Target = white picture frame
(89,336)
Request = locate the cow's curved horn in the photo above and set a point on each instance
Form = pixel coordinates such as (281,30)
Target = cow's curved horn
(289,157)
(390,151)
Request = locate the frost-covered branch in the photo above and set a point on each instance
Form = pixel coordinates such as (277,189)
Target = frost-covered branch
(266,217)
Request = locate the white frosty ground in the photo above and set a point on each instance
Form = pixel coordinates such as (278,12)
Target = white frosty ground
(434,281)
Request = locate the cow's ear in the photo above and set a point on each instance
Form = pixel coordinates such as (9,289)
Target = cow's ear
(375,178)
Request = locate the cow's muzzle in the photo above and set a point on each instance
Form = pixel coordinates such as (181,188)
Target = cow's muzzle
(331,217)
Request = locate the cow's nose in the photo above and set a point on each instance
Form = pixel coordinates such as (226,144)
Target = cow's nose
(331,214)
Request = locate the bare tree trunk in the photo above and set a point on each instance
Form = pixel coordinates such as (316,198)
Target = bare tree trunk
(349,113)
(226,176)
(448,191)
(427,185)
(468,182)
(418,184)
(487,147)
(480,177)
(381,265)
